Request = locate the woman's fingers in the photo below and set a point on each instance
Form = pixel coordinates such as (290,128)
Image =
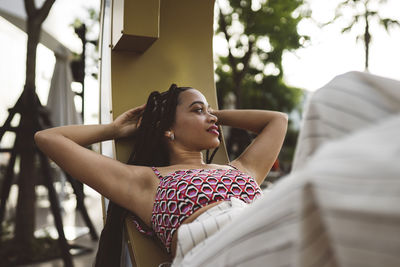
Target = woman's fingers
(142,107)
(139,122)
(136,110)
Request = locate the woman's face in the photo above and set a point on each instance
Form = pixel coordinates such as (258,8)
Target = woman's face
(194,126)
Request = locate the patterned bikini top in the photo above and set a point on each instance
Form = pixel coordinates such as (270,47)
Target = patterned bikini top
(183,192)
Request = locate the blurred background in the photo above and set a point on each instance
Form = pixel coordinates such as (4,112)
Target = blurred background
(268,54)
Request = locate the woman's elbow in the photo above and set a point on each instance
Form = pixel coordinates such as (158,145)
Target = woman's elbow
(40,138)
(279,120)
(282,121)
(284,116)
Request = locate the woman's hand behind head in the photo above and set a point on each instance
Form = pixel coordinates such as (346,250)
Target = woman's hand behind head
(126,123)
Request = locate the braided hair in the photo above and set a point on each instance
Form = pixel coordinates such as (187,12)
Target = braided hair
(150,149)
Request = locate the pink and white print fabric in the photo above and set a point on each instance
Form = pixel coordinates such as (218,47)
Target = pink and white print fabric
(181,193)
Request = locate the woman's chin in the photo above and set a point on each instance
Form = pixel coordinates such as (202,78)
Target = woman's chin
(215,145)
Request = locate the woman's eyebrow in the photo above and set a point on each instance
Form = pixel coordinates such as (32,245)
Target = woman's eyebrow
(198,102)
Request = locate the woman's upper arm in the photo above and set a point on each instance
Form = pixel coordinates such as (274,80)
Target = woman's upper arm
(124,184)
(260,155)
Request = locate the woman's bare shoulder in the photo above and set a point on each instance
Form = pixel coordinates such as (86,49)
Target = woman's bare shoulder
(142,174)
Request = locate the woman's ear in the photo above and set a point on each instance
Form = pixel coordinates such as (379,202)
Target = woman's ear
(170,135)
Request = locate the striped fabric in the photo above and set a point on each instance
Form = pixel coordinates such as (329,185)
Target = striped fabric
(207,224)
(340,208)
(349,103)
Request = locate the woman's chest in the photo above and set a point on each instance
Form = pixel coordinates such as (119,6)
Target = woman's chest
(199,187)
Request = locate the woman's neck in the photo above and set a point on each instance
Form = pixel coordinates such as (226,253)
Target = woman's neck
(187,158)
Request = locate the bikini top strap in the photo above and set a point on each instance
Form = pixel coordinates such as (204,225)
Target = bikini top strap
(232,166)
(156,172)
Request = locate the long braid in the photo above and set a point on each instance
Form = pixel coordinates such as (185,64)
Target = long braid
(209,159)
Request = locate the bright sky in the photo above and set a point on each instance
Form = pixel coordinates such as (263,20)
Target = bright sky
(331,53)
(328,54)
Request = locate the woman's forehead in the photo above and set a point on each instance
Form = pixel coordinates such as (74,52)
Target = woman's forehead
(192,95)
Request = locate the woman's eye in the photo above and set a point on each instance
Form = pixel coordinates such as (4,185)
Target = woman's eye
(199,110)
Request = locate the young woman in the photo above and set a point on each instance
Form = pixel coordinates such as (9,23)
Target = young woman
(166,183)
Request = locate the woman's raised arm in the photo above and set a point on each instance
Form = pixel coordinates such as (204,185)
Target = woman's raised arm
(261,154)
(122,183)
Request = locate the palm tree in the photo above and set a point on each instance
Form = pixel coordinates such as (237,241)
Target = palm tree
(366,12)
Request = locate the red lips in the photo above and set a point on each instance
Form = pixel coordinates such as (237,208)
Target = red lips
(213,129)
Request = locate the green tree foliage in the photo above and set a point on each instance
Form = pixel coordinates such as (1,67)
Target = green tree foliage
(257,36)
(363,12)
(257,33)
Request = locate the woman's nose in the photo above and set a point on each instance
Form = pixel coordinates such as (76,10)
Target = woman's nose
(213,118)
